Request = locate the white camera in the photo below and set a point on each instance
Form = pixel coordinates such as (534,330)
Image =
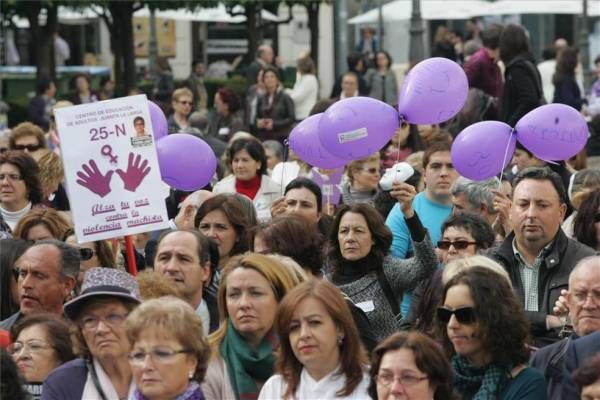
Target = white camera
(399,172)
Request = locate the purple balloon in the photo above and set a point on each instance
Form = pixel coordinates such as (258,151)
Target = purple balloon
(186,162)
(434,91)
(483,149)
(357,127)
(304,140)
(159,121)
(553,132)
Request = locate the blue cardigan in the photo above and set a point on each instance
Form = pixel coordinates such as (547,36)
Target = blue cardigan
(66,381)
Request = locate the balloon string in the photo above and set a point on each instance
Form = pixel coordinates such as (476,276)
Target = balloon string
(512,132)
(286,146)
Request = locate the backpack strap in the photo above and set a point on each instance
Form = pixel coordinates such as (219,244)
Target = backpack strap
(389,294)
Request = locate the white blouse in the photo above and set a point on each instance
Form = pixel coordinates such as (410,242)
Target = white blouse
(310,389)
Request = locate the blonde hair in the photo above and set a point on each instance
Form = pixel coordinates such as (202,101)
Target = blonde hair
(154,285)
(51,168)
(170,316)
(455,267)
(281,279)
(179,93)
(355,165)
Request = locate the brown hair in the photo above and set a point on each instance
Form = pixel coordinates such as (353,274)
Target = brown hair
(429,358)
(435,147)
(56,329)
(51,168)
(48,217)
(172,317)
(382,236)
(29,171)
(25,129)
(353,358)
(279,277)
(154,285)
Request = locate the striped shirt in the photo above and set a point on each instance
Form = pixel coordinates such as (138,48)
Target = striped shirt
(530,276)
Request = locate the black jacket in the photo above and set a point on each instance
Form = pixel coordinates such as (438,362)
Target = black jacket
(522,90)
(281,110)
(550,361)
(554,276)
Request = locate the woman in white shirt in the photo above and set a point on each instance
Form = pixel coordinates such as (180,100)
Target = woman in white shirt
(320,354)
(306,89)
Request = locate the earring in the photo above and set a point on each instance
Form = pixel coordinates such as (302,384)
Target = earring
(191,375)
(340,339)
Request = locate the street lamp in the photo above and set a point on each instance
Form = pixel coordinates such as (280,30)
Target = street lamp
(417,44)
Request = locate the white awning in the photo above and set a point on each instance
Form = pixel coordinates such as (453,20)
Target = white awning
(508,7)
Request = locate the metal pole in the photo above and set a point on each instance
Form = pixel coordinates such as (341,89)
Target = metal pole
(152,46)
(584,45)
(380,30)
(417,44)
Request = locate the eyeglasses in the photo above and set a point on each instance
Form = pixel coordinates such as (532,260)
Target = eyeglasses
(371,170)
(465,315)
(29,147)
(11,177)
(32,346)
(90,322)
(184,102)
(405,380)
(581,296)
(457,244)
(159,355)
(86,254)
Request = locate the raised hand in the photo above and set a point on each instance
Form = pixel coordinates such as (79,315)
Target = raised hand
(136,172)
(94,180)
(404,193)
(278,207)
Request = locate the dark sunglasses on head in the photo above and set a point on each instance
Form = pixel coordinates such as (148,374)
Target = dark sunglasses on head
(465,315)
(85,253)
(28,147)
(458,244)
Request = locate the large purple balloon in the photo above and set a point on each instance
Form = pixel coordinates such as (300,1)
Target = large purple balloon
(159,121)
(186,162)
(304,140)
(553,132)
(357,127)
(483,149)
(433,91)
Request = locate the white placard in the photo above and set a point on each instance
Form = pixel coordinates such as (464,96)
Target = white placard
(111,168)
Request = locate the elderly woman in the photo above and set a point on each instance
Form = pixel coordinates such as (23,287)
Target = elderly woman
(40,224)
(99,312)
(320,354)
(20,187)
(169,352)
(357,247)
(487,364)
(92,255)
(249,165)
(410,365)
(227,118)
(363,180)
(242,360)
(182,107)
(274,109)
(40,343)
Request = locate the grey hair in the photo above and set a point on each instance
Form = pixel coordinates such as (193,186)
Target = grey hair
(70,258)
(275,147)
(477,192)
(586,262)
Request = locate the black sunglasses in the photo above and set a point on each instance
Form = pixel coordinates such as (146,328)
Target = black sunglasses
(458,244)
(29,147)
(465,315)
(85,253)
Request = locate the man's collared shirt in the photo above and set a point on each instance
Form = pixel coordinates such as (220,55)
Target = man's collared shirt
(530,276)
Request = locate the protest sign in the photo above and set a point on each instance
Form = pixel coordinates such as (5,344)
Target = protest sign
(111,168)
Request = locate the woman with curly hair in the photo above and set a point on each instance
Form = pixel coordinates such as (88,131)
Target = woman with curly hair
(586,226)
(41,223)
(566,89)
(483,328)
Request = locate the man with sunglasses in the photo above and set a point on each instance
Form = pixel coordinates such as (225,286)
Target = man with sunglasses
(538,256)
(583,302)
(46,276)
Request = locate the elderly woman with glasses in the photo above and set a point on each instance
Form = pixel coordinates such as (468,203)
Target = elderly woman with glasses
(410,365)
(363,180)
(169,350)
(40,343)
(483,328)
(182,102)
(99,312)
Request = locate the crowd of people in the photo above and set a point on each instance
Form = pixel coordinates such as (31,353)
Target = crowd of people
(268,286)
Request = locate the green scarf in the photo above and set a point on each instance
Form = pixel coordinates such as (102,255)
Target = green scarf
(246,365)
(479,383)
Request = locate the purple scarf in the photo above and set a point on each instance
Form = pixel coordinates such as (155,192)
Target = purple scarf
(193,392)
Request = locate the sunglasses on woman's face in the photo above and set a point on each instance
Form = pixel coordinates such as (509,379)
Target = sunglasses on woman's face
(28,147)
(85,253)
(464,315)
(458,244)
